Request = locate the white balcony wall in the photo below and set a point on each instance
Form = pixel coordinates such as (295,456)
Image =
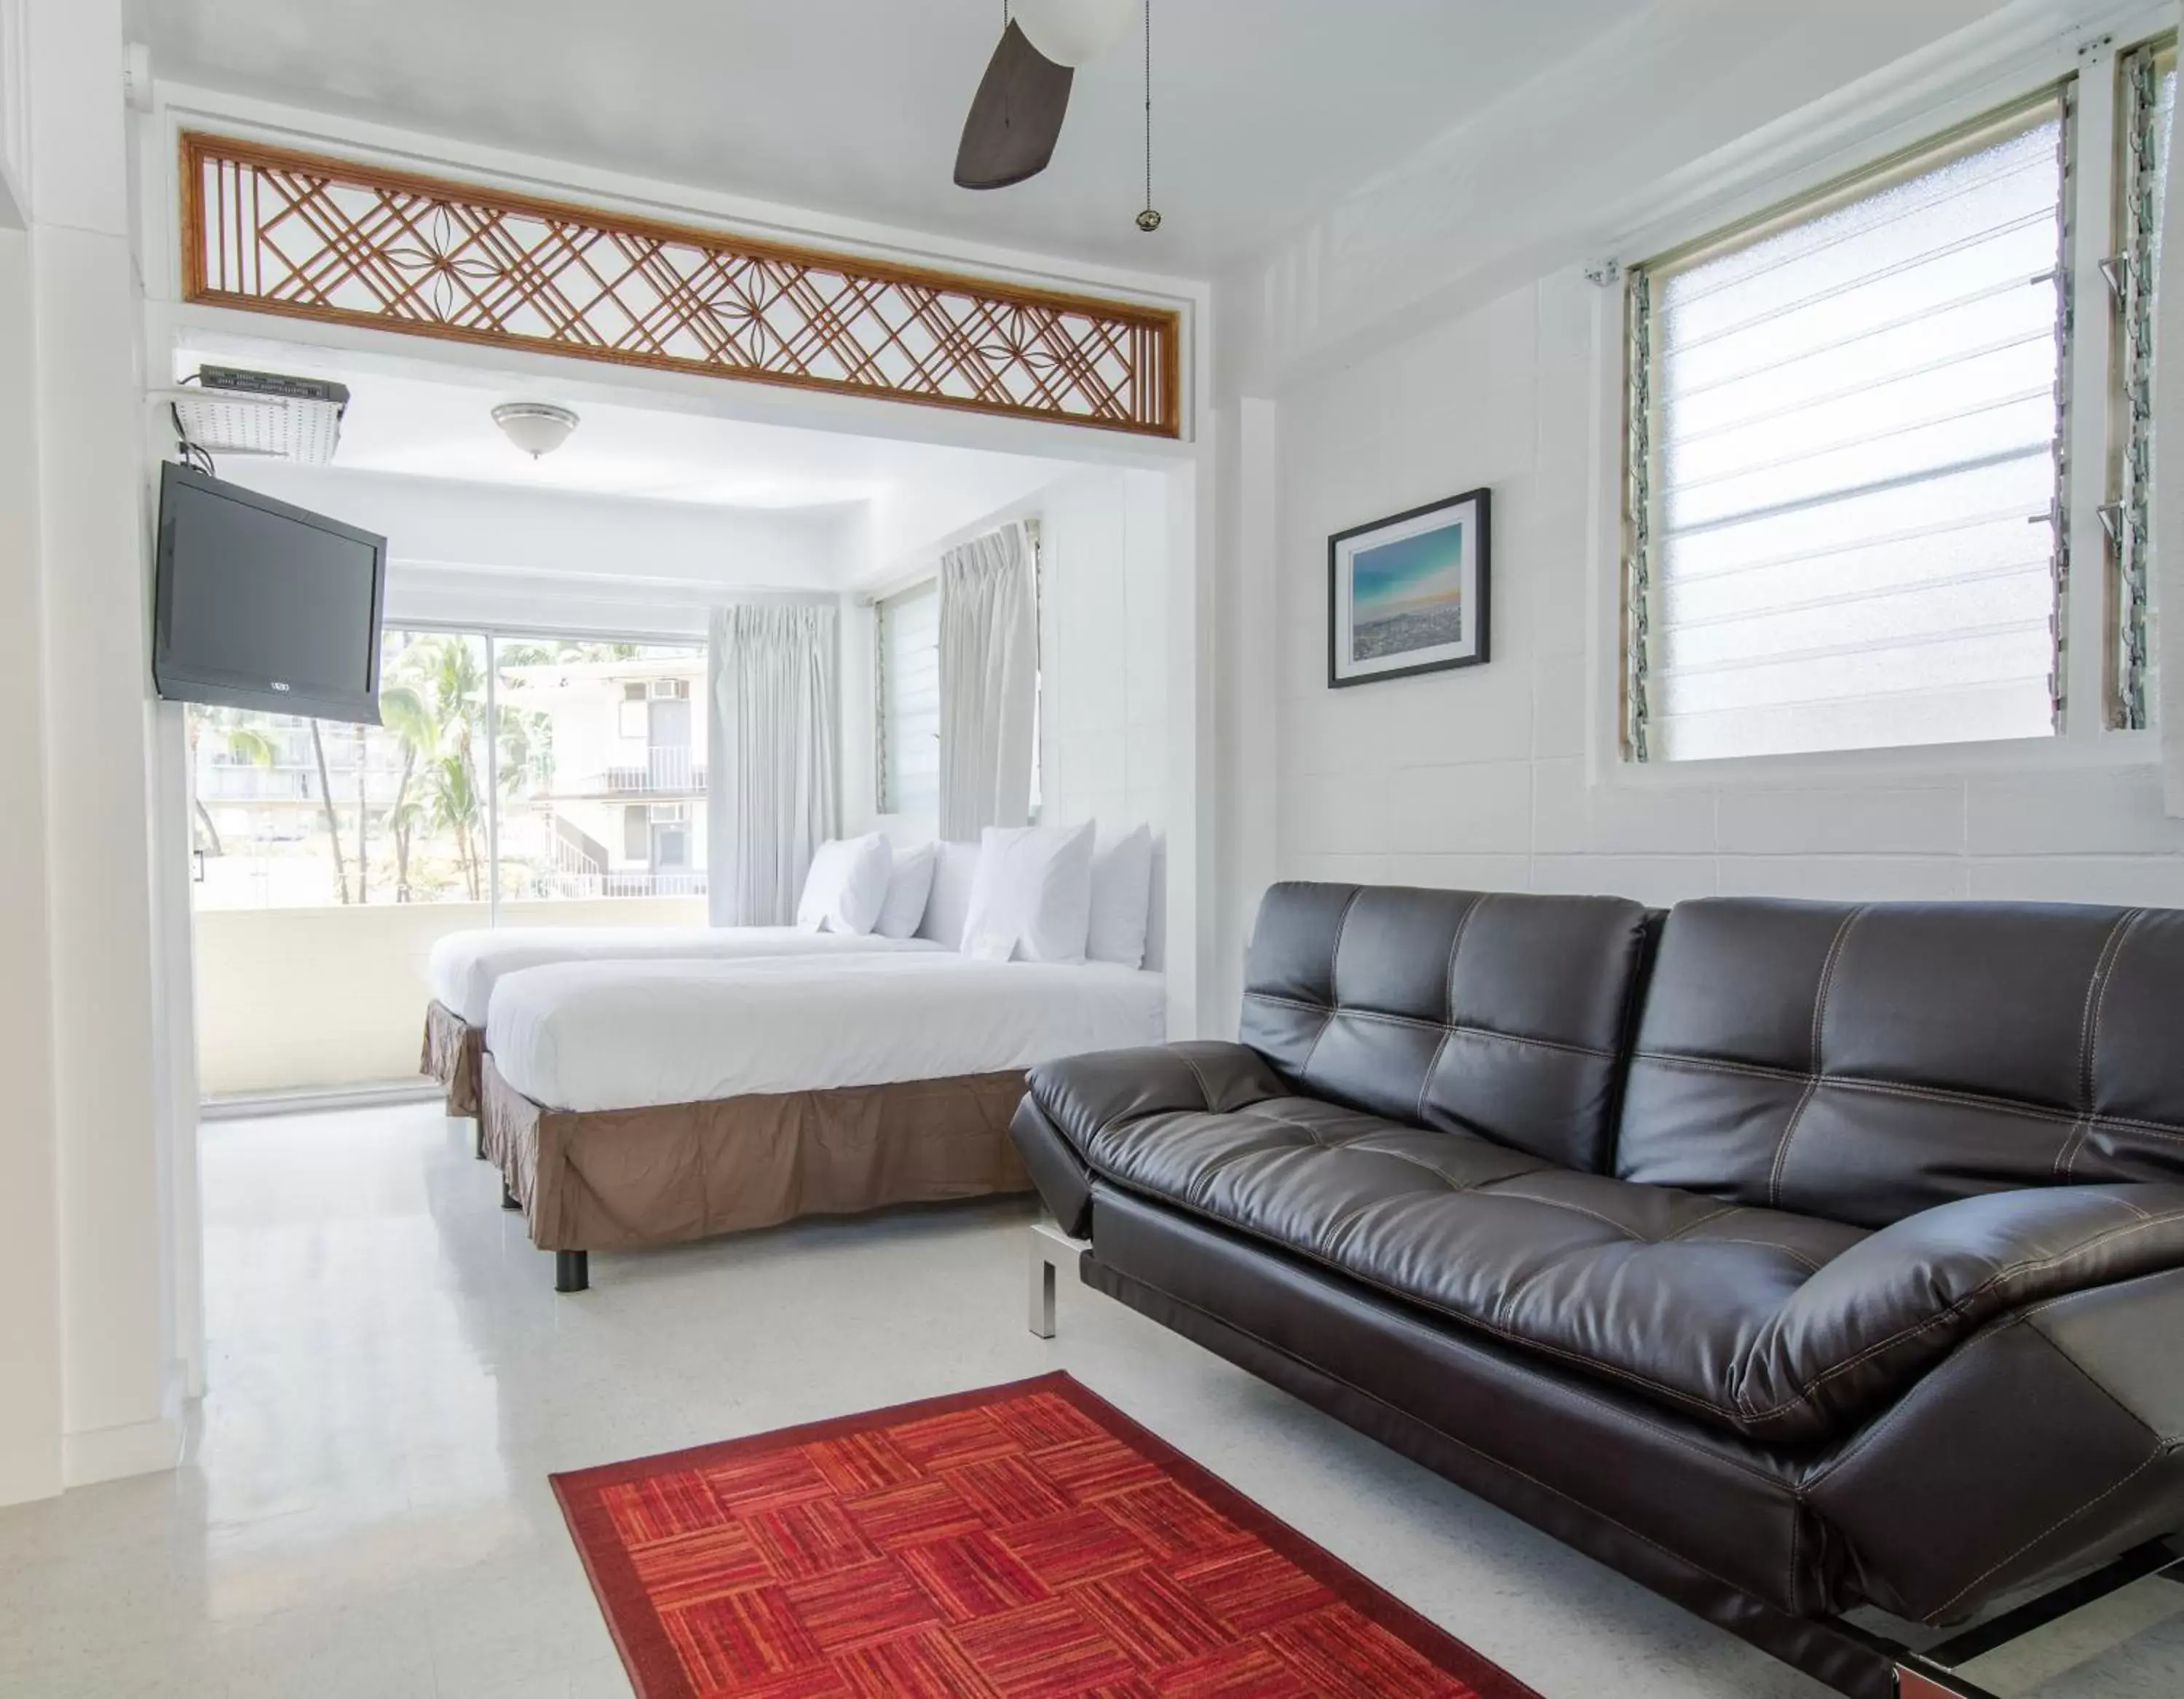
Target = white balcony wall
(290,1000)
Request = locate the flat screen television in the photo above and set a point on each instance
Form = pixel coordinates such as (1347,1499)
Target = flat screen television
(260,604)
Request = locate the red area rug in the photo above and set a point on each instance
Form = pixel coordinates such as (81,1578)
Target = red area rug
(1019,1542)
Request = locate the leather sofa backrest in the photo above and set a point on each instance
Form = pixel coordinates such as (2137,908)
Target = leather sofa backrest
(1863,1063)
(1502,1015)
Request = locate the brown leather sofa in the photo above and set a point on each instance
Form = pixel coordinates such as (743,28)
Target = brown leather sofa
(1790,1257)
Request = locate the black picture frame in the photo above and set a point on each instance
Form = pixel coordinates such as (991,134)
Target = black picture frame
(1472,510)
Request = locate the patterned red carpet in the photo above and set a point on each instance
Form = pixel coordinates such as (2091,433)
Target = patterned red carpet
(1019,1542)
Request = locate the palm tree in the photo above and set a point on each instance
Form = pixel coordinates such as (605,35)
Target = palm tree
(454,804)
(402,711)
(245,746)
(431,711)
(363,817)
(327,805)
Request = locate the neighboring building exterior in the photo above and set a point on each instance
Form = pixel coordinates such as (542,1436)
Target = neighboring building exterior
(594,786)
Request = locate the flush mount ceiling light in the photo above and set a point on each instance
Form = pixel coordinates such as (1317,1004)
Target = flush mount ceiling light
(536,427)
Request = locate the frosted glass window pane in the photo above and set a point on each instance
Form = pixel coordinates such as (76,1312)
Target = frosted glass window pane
(909,636)
(1850,465)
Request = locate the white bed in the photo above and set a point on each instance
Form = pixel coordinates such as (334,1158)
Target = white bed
(466,965)
(608,1035)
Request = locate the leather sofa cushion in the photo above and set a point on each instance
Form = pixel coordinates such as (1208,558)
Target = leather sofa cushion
(1776,1325)
(1864,1063)
(1504,1014)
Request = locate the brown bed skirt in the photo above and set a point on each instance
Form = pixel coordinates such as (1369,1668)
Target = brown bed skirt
(615,1179)
(453,1049)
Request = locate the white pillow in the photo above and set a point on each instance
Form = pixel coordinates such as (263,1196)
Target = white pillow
(1031,898)
(847,884)
(909,883)
(1122,898)
(955,870)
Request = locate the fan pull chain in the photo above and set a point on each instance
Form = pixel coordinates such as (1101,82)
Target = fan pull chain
(1148,220)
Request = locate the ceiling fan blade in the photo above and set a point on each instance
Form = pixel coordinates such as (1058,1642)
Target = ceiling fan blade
(1016,118)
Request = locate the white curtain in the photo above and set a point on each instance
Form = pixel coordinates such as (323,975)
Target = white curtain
(989,672)
(2168,586)
(772,792)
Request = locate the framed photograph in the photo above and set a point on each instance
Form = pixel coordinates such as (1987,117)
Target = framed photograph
(1408,594)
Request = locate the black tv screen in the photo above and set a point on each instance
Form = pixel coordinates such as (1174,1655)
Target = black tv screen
(259,605)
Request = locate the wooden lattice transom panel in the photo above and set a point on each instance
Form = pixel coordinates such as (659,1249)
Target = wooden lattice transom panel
(272,231)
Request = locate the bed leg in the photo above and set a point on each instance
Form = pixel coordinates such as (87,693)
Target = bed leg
(509,1199)
(1050,1248)
(478,1124)
(572,1271)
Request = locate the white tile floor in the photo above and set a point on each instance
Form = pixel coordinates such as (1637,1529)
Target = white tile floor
(364,1510)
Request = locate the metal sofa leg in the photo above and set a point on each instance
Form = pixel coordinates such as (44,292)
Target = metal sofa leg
(572,1271)
(1050,1248)
(1921,1679)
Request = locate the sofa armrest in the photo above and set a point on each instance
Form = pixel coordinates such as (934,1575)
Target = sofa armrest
(1085,1094)
(2047,1443)
(1072,1101)
(1868,1323)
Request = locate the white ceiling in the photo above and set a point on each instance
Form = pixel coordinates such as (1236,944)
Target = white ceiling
(1265,110)
(442,427)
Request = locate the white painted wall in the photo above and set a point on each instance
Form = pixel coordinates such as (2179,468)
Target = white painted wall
(290,1000)
(14,115)
(1103,636)
(1624,124)
(111,1141)
(1103,630)
(478,552)
(30,1237)
(1495,777)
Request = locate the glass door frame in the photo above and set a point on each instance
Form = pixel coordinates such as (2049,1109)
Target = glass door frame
(491,633)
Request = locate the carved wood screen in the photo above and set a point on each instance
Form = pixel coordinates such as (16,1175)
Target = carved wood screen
(276,232)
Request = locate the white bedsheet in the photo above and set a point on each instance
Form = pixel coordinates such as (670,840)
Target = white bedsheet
(466,965)
(629,1034)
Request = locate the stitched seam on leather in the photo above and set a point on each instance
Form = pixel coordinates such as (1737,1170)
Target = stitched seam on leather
(2087,1374)
(1866,1441)
(2104,977)
(1447,1004)
(1626,1044)
(1782,1149)
(1204,1091)
(1819,1070)
(1677,1394)
(1389,1017)
(1620,1414)
(1515,1296)
(2037,1265)
(1334,991)
(2096,991)
(1929,1094)
(1628,1236)
(1796,1256)
(1796,1528)
(2114,1488)
(1694,1226)
(1489,1458)
(1454,1186)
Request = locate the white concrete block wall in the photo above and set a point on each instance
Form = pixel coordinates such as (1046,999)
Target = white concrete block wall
(1103,637)
(1482,779)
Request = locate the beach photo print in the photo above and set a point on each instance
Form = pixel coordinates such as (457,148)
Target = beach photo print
(1408,594)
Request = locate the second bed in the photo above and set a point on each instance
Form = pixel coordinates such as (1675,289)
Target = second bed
(643,1103)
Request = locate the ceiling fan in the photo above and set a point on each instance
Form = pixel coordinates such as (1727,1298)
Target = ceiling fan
(1016,117)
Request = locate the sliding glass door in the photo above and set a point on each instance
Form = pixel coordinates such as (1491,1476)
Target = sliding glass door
(516,778)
